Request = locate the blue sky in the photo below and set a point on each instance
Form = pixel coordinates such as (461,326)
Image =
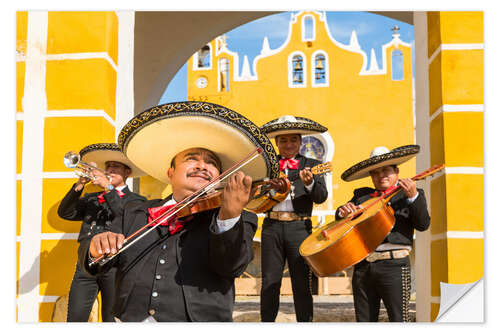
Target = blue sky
(372,31)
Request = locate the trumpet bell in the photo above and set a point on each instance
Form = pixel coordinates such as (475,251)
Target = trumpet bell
(71,159)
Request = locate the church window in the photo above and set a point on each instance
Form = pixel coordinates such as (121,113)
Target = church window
(308,28)
(296,70)
(223,70)
(397,65)
(203,58)
(320,68)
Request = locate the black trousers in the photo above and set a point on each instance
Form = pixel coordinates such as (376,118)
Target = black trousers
(388,280)
(83,292)
(280,241)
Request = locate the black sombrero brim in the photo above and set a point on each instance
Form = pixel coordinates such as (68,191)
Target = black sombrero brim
(100,153)
(394,157)
(302,126)
(153,138)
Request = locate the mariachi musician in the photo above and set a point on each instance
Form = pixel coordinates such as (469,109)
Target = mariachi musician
(385,273)
(183,269)
(288,223)
(96,210)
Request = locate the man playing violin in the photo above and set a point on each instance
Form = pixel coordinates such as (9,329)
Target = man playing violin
(288,223)
(184,270)
(96,210)
(385,273)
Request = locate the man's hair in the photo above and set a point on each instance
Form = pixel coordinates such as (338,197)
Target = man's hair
(124,165)
(217,159)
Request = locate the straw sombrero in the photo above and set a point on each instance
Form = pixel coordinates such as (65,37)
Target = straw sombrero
(379,157)
(100,153)
(152,138)
(292,125)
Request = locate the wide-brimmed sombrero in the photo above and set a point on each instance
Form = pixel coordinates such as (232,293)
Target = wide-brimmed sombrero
(100,153)
(379,157)
(153,138)
(292,125)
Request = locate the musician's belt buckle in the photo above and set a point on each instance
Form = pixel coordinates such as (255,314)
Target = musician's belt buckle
(286,216)
(391,254)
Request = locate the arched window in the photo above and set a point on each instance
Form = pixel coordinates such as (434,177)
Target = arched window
(296,70)
(308,28)
(223,73)
(397,65)
(320,69)
(203,58)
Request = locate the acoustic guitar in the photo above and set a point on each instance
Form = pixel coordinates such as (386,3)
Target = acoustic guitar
(343,243)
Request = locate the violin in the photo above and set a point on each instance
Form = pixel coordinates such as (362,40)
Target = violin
(185,207)
(270,193)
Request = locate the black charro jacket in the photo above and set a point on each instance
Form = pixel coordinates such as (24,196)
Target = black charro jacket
(408,216)
(192,272)
(303,199)
(95,216)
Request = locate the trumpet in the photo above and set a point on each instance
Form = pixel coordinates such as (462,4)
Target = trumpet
(72,160)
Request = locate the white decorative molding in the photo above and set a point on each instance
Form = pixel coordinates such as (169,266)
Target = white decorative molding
(478,46)
(125,75)
(34,106)
(235,62)
(457,171)
(245,71)
(59,175)
(459,235)
(326,66)
(20,116)
(53,236)
(84,55)
(373,62)
(457,108)
(353,43)
(79,113)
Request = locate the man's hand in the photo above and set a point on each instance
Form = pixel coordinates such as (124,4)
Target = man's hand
(236,195)
(101,178)
(409,186)
(80,184)
(306,176)
(105,243)
(348,208)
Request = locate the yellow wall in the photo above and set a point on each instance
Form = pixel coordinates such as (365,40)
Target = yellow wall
(456,138)
(80,78)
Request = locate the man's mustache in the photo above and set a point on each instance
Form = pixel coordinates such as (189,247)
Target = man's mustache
(200,173)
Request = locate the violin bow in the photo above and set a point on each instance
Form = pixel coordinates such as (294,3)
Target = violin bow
(183,203)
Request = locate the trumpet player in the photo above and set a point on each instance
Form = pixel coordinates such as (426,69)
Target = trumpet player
(96,211)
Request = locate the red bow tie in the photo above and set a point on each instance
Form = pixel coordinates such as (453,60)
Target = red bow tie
(174,224)
(101,199)
(376,194)
(289,163)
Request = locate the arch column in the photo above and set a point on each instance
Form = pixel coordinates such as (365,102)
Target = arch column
(449,114)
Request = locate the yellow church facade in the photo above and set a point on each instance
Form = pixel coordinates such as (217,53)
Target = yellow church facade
(362,107)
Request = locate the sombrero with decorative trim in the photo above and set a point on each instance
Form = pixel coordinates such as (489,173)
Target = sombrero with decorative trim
(153,138)
(100,153)
(379,157)
(292,125)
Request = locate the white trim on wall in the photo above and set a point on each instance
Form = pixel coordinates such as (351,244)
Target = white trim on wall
(34,106)
(442,47)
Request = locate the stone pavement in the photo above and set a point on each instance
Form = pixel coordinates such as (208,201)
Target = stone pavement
(332,308)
